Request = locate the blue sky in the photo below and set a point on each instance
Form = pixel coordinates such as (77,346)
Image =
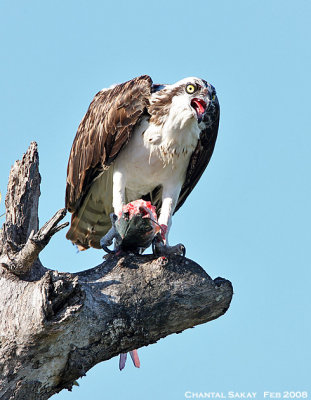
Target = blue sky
(248,219)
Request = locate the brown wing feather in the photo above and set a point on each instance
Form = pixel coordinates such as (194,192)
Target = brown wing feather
(105,129)
(201,155)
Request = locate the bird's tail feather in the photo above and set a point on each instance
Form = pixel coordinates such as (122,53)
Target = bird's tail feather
(91,222)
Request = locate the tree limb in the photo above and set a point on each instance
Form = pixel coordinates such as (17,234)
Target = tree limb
(55,326)
(23,260)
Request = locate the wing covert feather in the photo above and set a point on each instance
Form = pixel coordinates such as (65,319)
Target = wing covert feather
(105,129)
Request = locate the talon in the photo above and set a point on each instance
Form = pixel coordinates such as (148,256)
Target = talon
(107,240)
(159,248)
(179,250)
(153,246)
(107,250)
(157,244)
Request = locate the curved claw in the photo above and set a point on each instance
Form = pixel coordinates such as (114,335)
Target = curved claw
(179,249)
(107,250)
(153,246)
(159,248)
(107,240)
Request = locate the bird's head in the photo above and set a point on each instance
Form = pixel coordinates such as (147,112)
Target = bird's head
(191,97)
(197,95)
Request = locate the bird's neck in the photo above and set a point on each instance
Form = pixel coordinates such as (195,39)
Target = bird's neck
(176,137)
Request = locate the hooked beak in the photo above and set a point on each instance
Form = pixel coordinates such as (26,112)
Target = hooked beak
(200,107)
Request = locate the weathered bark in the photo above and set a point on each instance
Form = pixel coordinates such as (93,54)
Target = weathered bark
(55,326)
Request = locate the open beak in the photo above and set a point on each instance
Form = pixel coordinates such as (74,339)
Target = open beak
(199,106)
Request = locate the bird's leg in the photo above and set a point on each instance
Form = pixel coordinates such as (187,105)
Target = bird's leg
(107,240)
(118,202)
(118,198)
(118,194)
(160,245)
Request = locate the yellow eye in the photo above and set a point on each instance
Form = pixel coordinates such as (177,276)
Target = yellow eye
(190,88)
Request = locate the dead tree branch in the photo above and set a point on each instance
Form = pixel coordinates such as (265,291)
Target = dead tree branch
(55,326)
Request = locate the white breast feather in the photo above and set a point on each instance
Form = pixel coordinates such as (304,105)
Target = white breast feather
(157,154)
(177,136)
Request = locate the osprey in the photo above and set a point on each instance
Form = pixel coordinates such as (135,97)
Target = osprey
(139,140)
